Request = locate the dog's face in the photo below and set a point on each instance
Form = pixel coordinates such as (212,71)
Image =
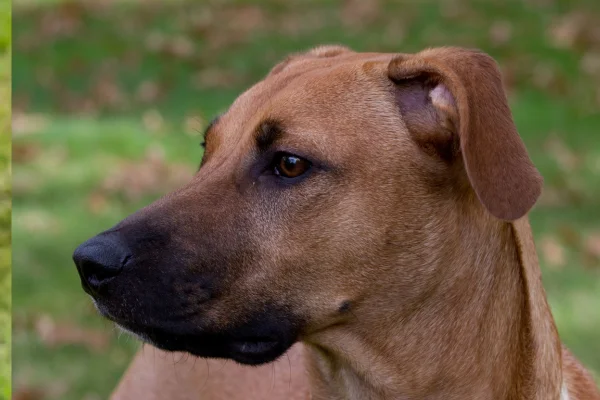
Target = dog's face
(318,189)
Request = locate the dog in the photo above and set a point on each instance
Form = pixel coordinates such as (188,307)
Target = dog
(364,215)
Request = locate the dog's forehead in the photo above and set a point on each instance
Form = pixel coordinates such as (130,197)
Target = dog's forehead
(309,91)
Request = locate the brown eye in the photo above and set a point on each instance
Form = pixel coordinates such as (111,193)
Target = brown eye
(290,166)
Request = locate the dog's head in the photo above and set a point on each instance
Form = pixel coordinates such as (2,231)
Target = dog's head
(320,187)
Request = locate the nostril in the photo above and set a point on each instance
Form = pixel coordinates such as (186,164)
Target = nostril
(125,260)
(97,274)
(100,260)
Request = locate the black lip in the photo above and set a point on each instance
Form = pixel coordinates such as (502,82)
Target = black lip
(249,351)
(256,352)
(244,350)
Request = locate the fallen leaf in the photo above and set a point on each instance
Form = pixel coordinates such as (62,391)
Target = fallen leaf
(181,46)
(92,396)
(54,334)
(578,29)
(565,157)
(567,30)
(63,21)
(37,221)
(97,203)
(214,78)
(148,92)
(108,93)
(591,248)
(570,236)
(28,393)
(152,176)
(360,13)
(23,153)
(242,21)
(25,124)
(553,252)
(153,120)
(552,197)
(501,32)
(294,25)
(590,63)
(155,41)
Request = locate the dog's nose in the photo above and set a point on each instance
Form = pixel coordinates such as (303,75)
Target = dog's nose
(99,260)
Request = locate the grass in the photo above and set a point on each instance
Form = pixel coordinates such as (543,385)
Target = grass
(108,98)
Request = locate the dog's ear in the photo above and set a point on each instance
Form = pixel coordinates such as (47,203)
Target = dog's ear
(454,95)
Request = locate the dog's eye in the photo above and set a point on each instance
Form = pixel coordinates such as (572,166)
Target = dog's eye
(290,166)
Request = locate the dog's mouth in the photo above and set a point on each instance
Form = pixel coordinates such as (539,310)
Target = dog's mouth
(244,350)
(234,344)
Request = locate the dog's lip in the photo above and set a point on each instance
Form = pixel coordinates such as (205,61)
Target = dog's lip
(249,350)
(253,345)
(256,351)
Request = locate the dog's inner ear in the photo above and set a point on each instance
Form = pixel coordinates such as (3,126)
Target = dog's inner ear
(453,103)
(429,112)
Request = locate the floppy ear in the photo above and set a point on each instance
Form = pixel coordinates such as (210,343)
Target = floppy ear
(462,91)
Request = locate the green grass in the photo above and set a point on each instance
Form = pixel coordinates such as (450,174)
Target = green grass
(80,118)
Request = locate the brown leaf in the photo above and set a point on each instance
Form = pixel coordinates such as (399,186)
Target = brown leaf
(242,21)
(553,252)
(294,24)
(54,334)
(552,197)
(590,63)
(246,18)
(578,29)
(63,21)
(151,176)
(546,77)
(97,203)
(23,153)
(156,41)
(570,236)
(567,30)
(564,157)
(107,92)
(153,121)
(591,248)
(38,221)
(501,32)
(28,393)
(455,10)
(148,92)
(359,13)
(181,46)
(214,78)
(25,124)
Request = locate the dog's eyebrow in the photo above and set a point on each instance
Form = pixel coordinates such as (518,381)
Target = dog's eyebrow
(267,132)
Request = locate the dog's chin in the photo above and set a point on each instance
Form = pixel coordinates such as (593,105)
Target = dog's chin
(236,345)
(244,350)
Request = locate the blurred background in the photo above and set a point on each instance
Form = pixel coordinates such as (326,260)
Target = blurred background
(110,99)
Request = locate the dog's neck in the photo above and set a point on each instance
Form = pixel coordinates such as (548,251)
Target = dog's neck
(484,330)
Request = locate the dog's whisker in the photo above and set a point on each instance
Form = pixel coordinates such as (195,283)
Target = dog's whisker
(272,376)
(290,368)
(207,373)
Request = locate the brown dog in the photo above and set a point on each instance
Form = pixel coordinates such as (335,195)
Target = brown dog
(372,207)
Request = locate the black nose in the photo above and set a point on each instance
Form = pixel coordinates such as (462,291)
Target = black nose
(100,259)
